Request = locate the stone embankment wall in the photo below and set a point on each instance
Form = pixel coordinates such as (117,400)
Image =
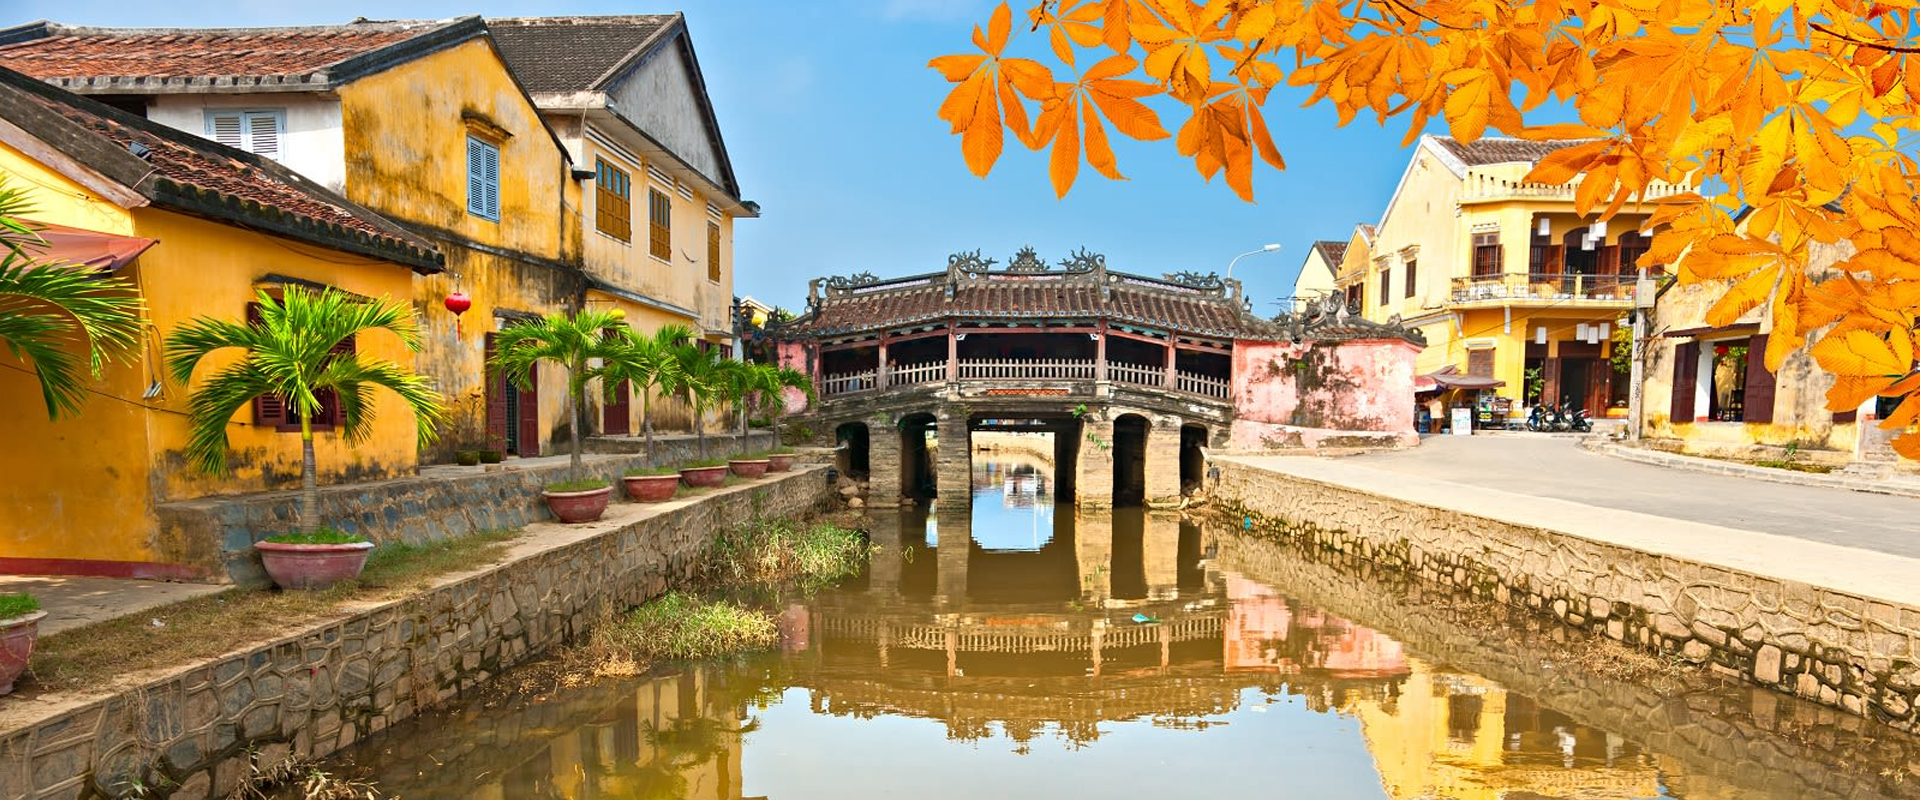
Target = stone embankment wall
(215,535)
(1826,645)
(308,694)
(1732,741)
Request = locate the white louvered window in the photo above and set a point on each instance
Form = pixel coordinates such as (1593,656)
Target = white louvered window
(483,178)
(262,132)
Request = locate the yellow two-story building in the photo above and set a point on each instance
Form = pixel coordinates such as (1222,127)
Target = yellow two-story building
(1507,282)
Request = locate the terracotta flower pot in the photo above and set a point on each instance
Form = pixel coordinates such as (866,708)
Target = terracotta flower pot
(16,644)
(780,462)
(704,476)
(651,488)
(584,506)
(748,468)
(467,458)
(312,566)
(491,456)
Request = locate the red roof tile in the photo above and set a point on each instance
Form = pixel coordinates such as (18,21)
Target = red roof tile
(82,58)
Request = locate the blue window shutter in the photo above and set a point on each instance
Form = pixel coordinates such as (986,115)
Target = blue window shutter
(476,178)
(493,182)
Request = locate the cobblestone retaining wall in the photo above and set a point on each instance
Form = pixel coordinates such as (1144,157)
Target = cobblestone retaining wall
(215,535)
(323,688)
(1828,646)
(1733,741)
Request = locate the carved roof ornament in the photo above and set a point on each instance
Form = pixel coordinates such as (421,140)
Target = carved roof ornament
(1195,280)
(969,261)
(1082,261)
(1026,261)
(854,281)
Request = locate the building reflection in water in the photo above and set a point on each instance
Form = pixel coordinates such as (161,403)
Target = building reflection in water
(999,629)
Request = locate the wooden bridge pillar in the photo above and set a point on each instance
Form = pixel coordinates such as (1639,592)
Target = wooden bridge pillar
(953,470)
(883,464)
(1093,479)
(1163,459)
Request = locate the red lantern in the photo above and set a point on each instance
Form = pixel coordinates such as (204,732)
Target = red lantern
(458,303)
(1720,350)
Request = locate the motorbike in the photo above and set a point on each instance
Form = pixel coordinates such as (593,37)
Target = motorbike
(1580,422)
(1540,418)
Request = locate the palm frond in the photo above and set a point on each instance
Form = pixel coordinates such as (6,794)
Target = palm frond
(353,381)
(211,408)
(52,310)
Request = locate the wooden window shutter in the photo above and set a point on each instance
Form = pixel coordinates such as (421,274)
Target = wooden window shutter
(1556,259)
(1412,277)
(227,128)
(529,422)
(1480,363)
(1686,380)
(659,224)
(713,252)
(269,410)
(1757,403)
(1850,415)
(483,179)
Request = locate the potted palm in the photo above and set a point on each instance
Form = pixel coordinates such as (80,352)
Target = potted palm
(740,383)
(696,377)
(788,382)
(651,485)
(295,350)
(574,343)
(647,364)
(20,617)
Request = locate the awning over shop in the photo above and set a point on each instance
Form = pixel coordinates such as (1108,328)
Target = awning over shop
(1450,377)
(79,247)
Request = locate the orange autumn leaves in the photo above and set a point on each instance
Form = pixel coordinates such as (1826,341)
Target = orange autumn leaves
(1801,116)
(993,92)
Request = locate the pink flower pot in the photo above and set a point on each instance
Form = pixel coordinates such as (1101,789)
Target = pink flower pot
(312,566)
(779,463)
(651,488)
(749,468)
(704,476)
(583,506)
(16,645)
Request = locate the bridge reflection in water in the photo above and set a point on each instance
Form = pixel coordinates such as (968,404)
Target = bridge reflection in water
(1122,653)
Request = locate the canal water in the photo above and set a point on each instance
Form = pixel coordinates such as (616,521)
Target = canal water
(1031,650)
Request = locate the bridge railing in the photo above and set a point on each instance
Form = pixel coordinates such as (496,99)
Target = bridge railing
(1136,374)
(847,383)
(916,374)
(1027,369)
(1200,385)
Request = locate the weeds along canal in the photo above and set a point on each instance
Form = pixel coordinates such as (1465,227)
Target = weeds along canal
(1032,649)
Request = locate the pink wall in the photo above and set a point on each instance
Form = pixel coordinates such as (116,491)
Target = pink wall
(793,355)
(1323,395)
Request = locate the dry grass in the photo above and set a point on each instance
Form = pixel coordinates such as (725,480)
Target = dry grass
(92,656)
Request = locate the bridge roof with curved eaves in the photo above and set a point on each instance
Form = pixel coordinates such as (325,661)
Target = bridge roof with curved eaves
(1082,288)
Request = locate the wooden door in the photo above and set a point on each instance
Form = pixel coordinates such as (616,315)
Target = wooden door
(616,412)
(527,444)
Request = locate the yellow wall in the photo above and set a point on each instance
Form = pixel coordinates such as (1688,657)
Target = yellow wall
(89,487)
(681,280)
(406,142)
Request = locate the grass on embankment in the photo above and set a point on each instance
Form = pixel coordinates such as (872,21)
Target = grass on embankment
(92,656)
(682,625)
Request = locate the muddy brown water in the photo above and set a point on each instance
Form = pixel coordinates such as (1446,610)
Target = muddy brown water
(1029,649)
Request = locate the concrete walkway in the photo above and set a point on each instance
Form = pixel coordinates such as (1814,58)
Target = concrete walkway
(71,602)
(1558,468)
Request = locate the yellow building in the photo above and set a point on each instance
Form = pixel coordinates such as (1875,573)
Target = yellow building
(626,96)
(1503,278)
(419,121)
(200,228)
(1317,273)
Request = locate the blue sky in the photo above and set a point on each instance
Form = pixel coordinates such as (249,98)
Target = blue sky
(828,111)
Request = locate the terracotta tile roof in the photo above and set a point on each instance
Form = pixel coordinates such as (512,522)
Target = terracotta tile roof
(1498,150)
(575,54)
(1206,308)
(150,60)
(187,173)
(1333,252)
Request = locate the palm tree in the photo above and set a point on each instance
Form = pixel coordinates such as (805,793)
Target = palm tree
(747,385)
(293,351)
(569,341)
(51,312)
(646,364)
(696,377)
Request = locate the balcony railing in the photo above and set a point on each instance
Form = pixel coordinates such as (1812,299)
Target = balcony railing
(1543,286)
(1024,370)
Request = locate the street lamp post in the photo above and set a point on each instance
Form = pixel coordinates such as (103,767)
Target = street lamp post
(1267,248)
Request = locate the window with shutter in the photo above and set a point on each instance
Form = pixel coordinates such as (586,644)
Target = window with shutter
(262,131)
(1413,273)
(483,179)
(1686,380)
(1480,362)
(613,201)
(1488,259)
(1386,287)
(659,224)
(713,252)
(271,410)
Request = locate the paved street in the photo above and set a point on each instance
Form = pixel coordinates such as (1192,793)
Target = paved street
(1557,467)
